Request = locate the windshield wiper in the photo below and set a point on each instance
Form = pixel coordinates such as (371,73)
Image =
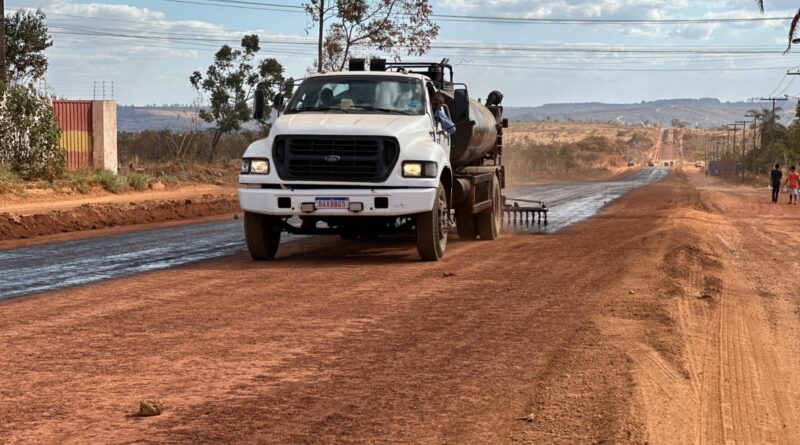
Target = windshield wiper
(383,110)
(320,109)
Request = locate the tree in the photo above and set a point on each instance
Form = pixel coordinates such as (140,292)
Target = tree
(396,27)
(26,39)
(792,26)
(29,134)
(677,123)
(231,82)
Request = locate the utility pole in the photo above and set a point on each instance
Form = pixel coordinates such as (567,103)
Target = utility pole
(744,141)
(2,41)
(774,99)
(755,117)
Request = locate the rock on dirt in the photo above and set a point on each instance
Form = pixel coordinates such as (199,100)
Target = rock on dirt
(151,407)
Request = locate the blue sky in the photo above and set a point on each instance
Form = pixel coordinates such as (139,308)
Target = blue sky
(157,71)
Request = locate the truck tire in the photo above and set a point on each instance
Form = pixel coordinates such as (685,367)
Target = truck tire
(262,233)
(490,222)
(466,226)
(432,229)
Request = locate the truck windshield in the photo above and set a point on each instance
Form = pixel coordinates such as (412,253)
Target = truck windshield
(359,94)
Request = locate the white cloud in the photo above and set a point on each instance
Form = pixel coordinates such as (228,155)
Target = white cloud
(154,61)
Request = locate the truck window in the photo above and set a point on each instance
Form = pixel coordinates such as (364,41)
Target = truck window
(359,94)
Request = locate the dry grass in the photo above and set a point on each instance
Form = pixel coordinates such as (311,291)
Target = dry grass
(554,151)
(569,132)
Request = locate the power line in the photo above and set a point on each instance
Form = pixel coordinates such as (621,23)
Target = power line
(557,21)
(516,48)
(244,4)
(591,69)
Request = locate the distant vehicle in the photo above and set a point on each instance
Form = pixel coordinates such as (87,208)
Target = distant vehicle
(699,164)
(714,169)
(651,164)
(631,164)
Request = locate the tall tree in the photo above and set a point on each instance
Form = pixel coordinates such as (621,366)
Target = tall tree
(793,26)
(320,12)
(26,39)
(231,82)
(2,41)
(396,27)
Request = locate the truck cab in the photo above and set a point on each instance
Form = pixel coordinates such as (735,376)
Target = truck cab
(356,154)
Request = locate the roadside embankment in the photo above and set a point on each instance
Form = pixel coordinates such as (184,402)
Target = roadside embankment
(91,216)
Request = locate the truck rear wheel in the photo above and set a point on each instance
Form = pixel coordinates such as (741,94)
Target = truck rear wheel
(466,226)
(262,233)
(432,229)
(489,223)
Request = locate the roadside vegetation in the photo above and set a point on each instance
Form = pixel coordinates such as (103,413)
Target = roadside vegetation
(187,146)
(536,152)
(29,135)
(774,143)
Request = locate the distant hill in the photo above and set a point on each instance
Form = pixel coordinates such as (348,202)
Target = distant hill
(703,113)
(133,118)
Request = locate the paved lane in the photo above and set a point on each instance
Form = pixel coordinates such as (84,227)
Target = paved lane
(49,267)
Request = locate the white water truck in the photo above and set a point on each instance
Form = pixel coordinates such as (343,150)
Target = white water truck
(360,153)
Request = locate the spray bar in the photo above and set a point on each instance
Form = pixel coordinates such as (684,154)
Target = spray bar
(531,212)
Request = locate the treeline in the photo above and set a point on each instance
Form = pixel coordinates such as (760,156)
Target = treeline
(149,147)
(775,143)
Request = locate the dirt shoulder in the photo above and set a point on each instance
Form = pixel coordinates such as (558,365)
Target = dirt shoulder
(596,175)
(115,212)
(45,201)
(669,318)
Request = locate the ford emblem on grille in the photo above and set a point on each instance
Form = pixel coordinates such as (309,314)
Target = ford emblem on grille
(333,158)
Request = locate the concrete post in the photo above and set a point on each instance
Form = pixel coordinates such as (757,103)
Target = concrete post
(104,137)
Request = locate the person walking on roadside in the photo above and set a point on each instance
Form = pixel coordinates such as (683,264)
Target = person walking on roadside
(793,180)
(776,175)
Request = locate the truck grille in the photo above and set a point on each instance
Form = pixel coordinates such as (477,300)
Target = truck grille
(335,158)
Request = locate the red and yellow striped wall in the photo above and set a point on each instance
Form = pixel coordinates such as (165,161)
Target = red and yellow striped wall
(75,120)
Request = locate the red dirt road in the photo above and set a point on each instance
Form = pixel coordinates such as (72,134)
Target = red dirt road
(636,326)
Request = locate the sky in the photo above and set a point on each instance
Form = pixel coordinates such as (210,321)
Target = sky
(532,63)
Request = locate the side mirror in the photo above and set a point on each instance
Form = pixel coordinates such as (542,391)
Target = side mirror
(460,106)
(277,101)
(258,105)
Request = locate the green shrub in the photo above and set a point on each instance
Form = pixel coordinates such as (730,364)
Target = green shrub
(111,182)
(29,134)
(138,181)
(83,180)
(8,178)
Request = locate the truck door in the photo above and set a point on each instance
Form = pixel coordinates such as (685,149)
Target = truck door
(439,135)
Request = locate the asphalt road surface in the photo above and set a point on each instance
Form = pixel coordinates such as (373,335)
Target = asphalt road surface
(49,267)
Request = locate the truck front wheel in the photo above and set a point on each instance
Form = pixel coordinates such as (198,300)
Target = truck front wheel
(490,222)
(262,234)
(432,229)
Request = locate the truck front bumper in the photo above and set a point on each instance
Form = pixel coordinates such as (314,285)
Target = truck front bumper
(288,202)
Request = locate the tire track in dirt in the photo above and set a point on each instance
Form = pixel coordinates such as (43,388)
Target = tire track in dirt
(735,367)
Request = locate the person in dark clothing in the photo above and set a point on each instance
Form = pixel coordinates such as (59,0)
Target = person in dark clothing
(776,174)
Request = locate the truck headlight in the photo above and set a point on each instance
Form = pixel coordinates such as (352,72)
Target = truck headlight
(420,169)
(255,166)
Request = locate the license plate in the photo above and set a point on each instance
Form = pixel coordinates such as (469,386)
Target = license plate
(332,203)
